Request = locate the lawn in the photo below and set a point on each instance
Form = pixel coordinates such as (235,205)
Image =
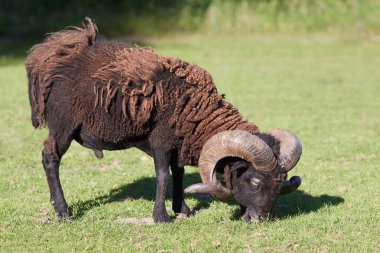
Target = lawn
(323,87)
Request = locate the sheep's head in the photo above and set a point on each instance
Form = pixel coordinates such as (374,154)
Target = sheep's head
(253,173)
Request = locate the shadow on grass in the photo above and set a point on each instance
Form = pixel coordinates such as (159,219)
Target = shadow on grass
(143,188)
(293,204)
(299,202)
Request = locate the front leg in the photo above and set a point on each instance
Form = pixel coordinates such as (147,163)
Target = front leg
(179,205)
(161,163)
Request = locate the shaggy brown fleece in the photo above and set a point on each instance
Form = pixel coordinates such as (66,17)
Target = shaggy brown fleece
(144,85)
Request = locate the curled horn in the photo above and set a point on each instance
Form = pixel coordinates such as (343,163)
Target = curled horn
(236,143)
(293,184)
(215,189)
(290,153)
(290,148)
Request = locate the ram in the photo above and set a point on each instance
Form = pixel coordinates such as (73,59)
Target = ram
(108,95)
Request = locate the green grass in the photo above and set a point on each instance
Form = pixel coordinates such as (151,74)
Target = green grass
(323,87)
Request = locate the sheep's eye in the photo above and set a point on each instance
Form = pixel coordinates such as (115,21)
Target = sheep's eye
(255,183)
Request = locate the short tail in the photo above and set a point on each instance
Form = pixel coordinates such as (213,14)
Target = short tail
(45,61)
(33,90)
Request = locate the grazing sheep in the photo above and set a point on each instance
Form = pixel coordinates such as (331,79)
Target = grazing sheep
(109,96)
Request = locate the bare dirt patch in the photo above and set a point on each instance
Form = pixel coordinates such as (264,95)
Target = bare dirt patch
(135,220)
(112,165)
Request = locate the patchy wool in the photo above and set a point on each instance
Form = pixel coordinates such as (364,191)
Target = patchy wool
(47,62)
(133,72)
(141,83)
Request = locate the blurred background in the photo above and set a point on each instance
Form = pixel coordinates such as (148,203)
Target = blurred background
(24,22)
(311,66)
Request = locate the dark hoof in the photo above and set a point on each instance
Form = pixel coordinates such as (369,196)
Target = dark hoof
(66,218)
(162,218)
(64,213)
(185,210)
(182,209)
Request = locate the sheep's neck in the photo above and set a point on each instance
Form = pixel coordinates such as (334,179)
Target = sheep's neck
(200,111)
(224,117)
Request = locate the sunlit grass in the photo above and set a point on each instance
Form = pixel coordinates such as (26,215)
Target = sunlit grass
(323,87)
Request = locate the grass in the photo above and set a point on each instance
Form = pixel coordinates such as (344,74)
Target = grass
(323,87)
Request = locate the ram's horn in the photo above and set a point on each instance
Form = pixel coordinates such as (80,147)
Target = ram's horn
(293,184)
(217,190)
(235,143)
(290,148)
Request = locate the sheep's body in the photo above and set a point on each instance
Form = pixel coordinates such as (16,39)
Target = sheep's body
(113,96)
(108,96)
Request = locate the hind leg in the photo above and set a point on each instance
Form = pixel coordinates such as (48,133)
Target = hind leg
(51,157)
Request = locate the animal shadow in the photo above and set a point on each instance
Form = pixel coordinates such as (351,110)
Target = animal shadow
(299,202)
(143,188)
(290,205)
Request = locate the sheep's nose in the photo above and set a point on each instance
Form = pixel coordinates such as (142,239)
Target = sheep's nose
(262,217)
(254,217)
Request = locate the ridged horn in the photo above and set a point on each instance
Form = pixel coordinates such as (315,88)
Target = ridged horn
(217,190)
(235,143)
(293,185)
(290,148)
